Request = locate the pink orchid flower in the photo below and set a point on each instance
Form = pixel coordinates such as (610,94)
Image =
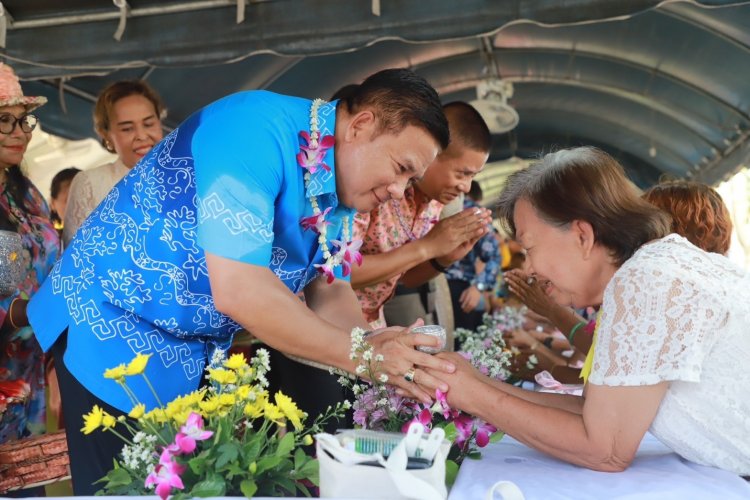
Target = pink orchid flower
(327,271)
(351,254)
(483,434)
(166,475)
(464,427)
(315,222)
(191,432)
(310,157)
(423,418)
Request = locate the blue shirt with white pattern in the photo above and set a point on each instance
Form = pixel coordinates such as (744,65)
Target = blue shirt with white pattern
(134,279)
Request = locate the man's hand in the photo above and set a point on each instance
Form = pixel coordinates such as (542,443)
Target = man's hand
(397,345)
(455,231)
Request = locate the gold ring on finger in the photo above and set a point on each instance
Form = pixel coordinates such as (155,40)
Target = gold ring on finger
(409,375)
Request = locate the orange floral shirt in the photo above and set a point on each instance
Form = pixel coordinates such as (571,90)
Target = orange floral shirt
(389,226)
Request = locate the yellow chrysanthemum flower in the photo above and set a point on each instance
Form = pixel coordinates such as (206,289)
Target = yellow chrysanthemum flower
(209,406)
(180,418)
(273,413)
(138,365)
(253,410)
(117,373)
(92,420)
(236,361)
(157,415)
(222,376)
(243,392)
(290,410)
(227,399)
(137,412)
(108,421)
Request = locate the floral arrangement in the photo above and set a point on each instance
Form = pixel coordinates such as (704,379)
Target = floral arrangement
(377,406)
(229,438)
(486,349)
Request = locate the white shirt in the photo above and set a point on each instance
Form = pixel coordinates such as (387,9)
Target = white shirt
(87,190)
(675,313)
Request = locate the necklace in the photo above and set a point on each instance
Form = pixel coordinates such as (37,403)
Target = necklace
(311,158)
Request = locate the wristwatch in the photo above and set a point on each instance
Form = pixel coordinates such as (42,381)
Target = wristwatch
(481,286)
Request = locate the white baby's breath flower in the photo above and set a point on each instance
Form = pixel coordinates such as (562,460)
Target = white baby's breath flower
(346,404)
(379,358)
(383,378)
(360,369)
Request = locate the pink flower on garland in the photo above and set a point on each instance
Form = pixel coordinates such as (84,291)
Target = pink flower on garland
(191,432)
(311,157)
(166,475)
(351,253)
(327,270)
(465,427)
(315,222)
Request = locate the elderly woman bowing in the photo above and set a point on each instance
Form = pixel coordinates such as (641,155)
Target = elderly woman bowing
(671,333)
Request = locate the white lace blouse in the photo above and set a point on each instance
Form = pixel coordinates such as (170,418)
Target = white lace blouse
(87,190)
(675,313)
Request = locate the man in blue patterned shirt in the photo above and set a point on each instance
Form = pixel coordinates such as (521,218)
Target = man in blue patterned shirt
(219,227)
(468,286)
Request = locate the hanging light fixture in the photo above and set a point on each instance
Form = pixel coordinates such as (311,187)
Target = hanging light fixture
(492,95)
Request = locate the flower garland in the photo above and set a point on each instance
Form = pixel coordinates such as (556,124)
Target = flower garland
(311,158)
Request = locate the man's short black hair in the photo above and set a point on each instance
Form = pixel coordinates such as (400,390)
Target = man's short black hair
(399,98)
(467,126)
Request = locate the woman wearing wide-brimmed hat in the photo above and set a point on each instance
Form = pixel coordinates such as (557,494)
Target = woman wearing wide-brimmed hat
(24,212)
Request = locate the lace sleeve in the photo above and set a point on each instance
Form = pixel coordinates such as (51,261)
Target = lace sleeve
(81,203)
(658,323)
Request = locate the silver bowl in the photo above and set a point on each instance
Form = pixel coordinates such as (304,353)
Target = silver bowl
(11,262)
(434,331)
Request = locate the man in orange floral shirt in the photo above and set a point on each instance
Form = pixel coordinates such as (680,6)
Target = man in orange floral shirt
(403,239)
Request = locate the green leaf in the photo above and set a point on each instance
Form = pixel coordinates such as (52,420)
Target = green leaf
(251,450)
(212,486)
(474,455)
(496,436)
(450,432)
(309,471)
(286,445)
(198,464)
(228,452)
(287,484)
(299,458)
(451,471)
(267,463)
(248,488)
(117,477)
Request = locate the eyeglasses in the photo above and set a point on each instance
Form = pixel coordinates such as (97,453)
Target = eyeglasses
(8,123)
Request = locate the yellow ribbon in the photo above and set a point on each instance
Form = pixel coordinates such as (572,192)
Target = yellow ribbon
(586,370)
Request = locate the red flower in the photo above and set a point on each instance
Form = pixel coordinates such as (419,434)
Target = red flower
(315,222)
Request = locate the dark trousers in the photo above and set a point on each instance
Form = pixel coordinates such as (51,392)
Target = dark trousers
(469,320)
(91,455)
(311,388)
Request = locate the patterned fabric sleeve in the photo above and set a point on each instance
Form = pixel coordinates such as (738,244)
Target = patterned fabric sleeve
(657,325)
(489,253)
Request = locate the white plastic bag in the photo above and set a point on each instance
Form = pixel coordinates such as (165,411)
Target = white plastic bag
(393,481)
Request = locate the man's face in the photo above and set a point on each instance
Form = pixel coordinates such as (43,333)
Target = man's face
(374,166)
(452,172)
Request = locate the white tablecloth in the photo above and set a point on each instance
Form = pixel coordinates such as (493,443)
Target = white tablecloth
(656,473)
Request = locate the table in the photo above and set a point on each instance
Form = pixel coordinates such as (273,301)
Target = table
(656,473)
